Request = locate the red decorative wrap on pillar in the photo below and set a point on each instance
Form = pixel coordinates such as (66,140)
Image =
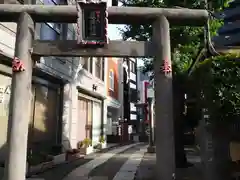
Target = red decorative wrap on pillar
(166,67)
(17,65)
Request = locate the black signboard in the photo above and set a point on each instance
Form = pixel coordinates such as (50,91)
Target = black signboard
(94,23)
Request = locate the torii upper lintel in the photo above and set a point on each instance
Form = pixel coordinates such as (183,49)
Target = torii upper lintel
(117,15)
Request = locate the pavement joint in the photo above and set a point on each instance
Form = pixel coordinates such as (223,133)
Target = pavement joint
(129,168)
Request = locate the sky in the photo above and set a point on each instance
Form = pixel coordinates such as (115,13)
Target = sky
(113,31)
(114,34)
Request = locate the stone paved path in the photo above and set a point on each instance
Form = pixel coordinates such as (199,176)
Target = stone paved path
(121,165)
(61,171)
(129,162)
(147,168)
(130,167)
(105,166)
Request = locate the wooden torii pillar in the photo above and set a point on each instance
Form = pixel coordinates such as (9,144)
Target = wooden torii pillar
(26,48)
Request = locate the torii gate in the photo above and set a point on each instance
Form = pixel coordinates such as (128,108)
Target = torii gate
(29,50)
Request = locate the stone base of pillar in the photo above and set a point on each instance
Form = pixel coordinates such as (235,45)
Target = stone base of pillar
(151,149)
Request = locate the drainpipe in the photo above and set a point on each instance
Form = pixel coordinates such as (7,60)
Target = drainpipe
(150,122)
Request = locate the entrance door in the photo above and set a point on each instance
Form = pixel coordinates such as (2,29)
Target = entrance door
(89,120)
(82,119)
(97,122)
(45,123)
(109,126)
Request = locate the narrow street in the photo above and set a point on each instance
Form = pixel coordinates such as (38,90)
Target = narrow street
(116,164)
(128,162)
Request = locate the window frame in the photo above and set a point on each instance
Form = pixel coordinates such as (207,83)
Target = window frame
(132,67)
(56,27)
(88,64)
(111,79)
(56,31)
(100,66)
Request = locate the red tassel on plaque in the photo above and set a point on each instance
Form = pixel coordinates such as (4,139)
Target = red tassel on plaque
(17,65)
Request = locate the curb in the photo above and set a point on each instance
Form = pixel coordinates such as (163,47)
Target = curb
(111,147)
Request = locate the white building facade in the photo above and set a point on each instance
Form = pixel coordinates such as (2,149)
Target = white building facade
(68,94)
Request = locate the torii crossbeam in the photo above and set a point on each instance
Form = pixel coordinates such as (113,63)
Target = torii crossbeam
(26,49)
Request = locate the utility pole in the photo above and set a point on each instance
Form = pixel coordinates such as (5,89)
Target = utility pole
(20,100)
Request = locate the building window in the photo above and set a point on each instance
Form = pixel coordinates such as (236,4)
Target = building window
(87,63)
(133,95)
(50,31)
(51,2)
(132,67)
(111,80)
(99,68)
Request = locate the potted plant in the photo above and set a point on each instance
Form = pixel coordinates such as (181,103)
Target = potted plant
(102,141)
(72,154)
(85,146)
(100,144)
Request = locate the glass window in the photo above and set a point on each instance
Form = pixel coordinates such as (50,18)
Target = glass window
(132,66)
(98,68)
(51,2)
(87,63)
(71,34)
(50,31)
(85,108)
(111,80)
